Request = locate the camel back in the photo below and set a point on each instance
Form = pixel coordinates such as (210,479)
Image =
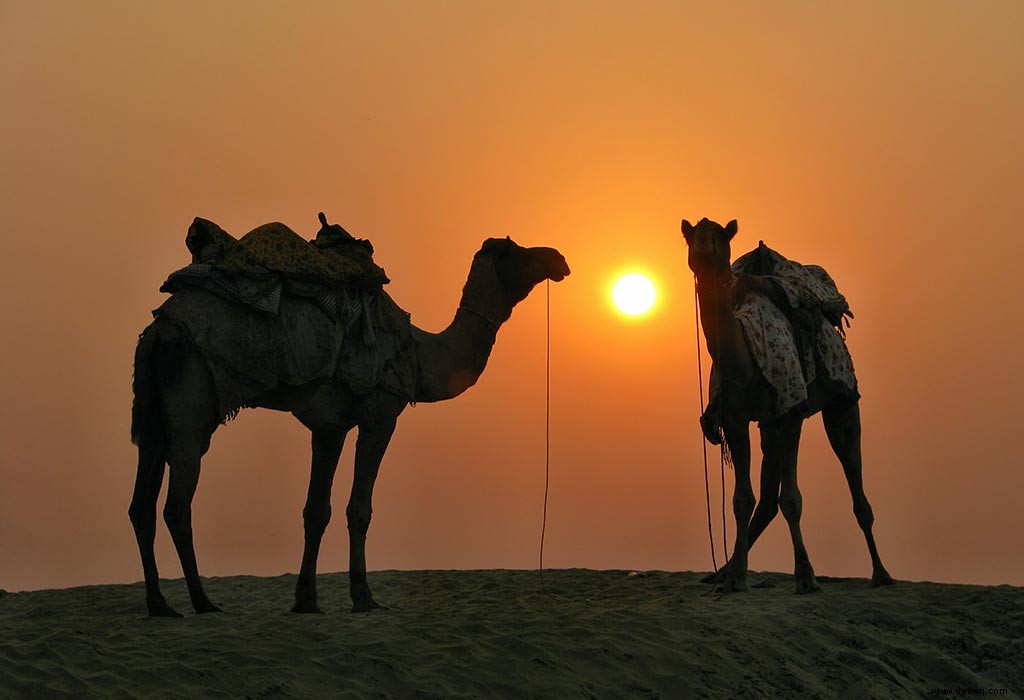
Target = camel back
(272,310)
(366,344)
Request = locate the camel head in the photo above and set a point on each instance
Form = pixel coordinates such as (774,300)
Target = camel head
(708,244)
(503,273)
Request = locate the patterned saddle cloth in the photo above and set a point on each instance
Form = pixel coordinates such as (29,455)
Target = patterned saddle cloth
(795,332)
(254,269)
(334,259)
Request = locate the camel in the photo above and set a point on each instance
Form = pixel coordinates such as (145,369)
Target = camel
(743,394)
(175,414)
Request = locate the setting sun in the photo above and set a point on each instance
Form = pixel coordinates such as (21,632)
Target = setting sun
(634,294)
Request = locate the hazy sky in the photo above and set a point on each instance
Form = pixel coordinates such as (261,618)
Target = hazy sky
(880,140)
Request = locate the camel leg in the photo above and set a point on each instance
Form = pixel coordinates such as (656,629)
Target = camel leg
(327,445)
(738,438)
(184,459)
(768,503)
(370,447)
(142,513)
(791,504)
(842,425)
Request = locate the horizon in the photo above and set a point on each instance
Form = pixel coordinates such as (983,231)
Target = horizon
(427,130)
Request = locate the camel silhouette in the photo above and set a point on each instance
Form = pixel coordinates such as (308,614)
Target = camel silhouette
(176,411)
(743,394)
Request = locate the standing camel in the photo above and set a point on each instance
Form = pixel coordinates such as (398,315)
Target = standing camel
(744,392)
(175,413)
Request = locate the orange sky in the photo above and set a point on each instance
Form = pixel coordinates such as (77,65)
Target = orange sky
(880,141)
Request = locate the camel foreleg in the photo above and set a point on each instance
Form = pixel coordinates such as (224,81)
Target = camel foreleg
(791,504)
(327,446)
(371,445)
(768,501)
(738,439)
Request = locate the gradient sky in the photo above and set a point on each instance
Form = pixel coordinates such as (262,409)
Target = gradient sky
(882,141)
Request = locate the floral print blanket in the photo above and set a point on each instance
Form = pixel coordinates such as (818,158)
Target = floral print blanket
(796,336)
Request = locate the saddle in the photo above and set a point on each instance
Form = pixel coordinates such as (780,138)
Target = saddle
(334,259)
(793,317)
(800,291)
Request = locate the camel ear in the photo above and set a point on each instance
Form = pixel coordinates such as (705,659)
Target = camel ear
(687,229)
(731,228)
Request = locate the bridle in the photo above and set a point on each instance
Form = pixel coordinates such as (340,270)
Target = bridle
(492,325)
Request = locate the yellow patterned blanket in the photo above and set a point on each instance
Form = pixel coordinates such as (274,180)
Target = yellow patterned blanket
(334,260)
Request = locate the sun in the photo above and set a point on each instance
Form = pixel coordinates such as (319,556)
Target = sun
(634,294)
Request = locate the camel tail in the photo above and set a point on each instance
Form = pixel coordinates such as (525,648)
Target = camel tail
(147,422)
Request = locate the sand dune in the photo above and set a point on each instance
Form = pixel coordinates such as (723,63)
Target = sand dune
(495,634)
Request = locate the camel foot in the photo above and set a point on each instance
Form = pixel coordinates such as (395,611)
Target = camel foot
(805,581)
(367,605)
(715,578)
(733,584)
(805,586)
(307,608)
(206,607)
(881,577)
(160,608)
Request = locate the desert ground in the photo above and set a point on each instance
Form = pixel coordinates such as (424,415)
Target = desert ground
(499,634)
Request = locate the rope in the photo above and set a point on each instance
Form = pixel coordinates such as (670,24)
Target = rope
(547,435)
(723,448)
(703,441)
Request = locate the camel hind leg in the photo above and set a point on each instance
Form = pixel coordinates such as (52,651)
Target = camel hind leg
(190,410)
(842,425)
(142,513)
(184,463)
(771,479)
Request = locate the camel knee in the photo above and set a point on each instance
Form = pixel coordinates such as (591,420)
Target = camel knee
(358,518)
(142,516)
(316,518)
(176,517)
(743,503)
(769,506)
(865,516)
(791,503)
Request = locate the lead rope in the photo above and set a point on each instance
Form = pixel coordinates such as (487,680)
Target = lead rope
(703,440)
(723,448)
(547,435)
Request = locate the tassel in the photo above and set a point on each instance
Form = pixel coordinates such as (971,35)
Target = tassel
(726,453)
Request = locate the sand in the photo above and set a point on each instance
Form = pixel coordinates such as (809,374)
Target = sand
(495,634)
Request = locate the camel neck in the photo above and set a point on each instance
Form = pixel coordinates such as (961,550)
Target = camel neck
(451,361)
(722,331)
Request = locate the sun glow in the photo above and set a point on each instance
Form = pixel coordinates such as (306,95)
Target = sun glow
(634,294)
